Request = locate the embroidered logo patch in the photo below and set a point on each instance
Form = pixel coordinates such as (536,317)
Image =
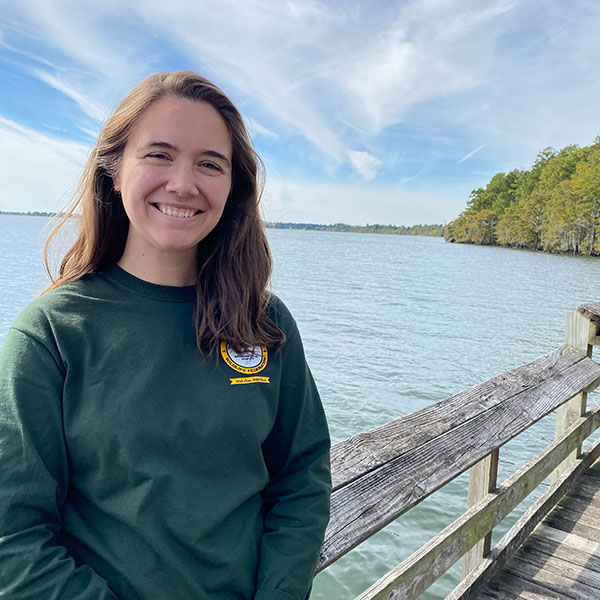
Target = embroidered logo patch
(243,380)
(249,363)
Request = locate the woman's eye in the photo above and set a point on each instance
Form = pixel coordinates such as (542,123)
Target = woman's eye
(158,155)
(210,166)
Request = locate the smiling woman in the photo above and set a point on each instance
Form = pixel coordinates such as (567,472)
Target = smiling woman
(161,434)
(173,190)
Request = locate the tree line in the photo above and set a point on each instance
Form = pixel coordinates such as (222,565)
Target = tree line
(35,213)
(554,206)
(428,230)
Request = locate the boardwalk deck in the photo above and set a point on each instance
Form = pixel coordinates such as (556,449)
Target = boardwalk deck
(561,558)
(381,474)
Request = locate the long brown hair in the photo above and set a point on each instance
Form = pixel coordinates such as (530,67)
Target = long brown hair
(234,261)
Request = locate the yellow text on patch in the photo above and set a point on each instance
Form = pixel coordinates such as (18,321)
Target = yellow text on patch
(242,380)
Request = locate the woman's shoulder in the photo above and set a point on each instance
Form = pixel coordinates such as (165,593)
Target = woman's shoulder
(58,304)
(282,317)
(279,312)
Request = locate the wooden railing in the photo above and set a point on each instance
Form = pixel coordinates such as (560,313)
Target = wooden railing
(381,474)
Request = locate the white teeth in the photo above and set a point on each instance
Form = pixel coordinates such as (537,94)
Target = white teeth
(183,214)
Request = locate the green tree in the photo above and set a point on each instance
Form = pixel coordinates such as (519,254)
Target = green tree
(481,228)
(553,206)
(586,185)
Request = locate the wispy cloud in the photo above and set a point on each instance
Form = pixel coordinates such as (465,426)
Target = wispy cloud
(472,153)
(364,163)
(255,128)
(318,79)
(44,170)
(311,202)
(89,107)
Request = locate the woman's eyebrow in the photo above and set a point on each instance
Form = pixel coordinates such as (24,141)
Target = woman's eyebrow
(160,144)
(168,146)
(218,155)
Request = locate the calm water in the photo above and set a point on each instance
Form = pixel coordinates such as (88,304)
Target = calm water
(391,324)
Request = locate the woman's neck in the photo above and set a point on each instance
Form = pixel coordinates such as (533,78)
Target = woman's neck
(175,269)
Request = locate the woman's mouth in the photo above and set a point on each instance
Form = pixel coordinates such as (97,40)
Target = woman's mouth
(176,211)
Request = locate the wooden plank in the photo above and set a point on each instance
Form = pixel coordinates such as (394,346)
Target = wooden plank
(579,331)
(588,490)
(572,521)
(569,553)
(522,589)
(569,543)
(565,415)
(582,509)
(419,571)
(482,480)
(565,570)
(469,588)
(551,578)
(590,310)
(368,451)
(591,481)
(365,505)
(578,334)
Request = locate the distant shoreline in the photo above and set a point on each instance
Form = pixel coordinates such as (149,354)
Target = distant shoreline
(426,230)
(34,213)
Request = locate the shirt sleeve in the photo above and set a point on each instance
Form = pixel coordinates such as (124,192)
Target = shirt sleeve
(297,495)
(34,479)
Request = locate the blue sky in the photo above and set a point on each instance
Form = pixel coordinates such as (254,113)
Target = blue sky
(364,111)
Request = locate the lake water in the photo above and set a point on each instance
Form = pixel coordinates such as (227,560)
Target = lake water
(391,324)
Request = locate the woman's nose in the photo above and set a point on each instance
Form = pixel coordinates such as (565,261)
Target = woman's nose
(182,181)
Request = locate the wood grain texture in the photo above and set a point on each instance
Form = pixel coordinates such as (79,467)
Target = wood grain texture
(551,545)
(591,310)
(352,458)
(579,333)
(571,521)
(485,576)
(409,579)
(509,586)
(458,436)
(570,542)
(532,556)
(482,480)
(554,577)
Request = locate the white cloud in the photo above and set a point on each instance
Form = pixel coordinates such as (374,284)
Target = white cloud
(393,74)
(314,66)
(300,201)
(461,22)
(88,106)
(40,172)
(255,128)
(472,153)
(364,163)
(298,60)
(342,75)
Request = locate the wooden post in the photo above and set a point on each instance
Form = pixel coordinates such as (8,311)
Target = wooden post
(580,333)
(482,480)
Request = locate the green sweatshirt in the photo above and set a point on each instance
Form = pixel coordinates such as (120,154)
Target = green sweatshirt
(132,469)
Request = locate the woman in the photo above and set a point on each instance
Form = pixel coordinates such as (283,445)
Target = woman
(160,433)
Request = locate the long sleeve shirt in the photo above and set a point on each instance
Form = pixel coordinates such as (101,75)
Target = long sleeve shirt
(131,468)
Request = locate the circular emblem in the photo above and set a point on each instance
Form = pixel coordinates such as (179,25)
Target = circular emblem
(253,361)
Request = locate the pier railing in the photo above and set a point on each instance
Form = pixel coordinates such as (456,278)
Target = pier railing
(381,474)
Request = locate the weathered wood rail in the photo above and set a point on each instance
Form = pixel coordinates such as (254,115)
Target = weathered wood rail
(381,474)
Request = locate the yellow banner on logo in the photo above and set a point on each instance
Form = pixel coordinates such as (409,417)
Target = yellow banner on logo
(242,380)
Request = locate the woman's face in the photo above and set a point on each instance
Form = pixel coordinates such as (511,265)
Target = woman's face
(174,178)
